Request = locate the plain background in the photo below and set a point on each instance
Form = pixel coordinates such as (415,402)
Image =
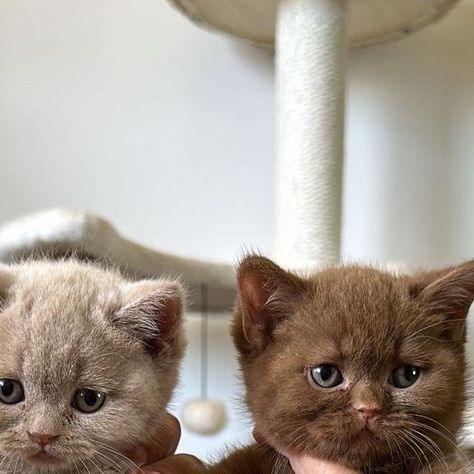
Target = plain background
(126,109)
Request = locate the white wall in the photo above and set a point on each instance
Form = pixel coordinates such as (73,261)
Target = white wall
(224,384)
(126,109)
(410,143)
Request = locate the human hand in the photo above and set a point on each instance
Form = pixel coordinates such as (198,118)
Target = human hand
(158,456)
(303,464)
(306,465)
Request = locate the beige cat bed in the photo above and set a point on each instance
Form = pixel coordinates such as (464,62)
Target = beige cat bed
(60,232)
(311,38)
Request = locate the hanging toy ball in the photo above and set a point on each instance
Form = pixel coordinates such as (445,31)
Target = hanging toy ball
(204,417)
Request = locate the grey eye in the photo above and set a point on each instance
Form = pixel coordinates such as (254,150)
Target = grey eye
(11,391)
(88,401)
(326,376)
(405,376)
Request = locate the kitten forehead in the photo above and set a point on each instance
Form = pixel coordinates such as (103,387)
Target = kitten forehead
(59,318)
(60,324)
(356,299)
(356,313)
(70,283)
(68,352)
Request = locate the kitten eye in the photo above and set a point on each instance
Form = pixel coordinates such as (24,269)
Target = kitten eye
(11,391)
(88,400)
(326,376)
(405,376)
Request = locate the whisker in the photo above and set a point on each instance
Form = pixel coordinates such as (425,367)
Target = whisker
(435,324)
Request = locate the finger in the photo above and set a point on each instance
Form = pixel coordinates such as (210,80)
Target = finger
(307,465)
(164,444)
(179,464)
(259,437)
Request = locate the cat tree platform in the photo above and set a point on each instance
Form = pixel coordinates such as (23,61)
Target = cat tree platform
(60,233)
(311,38)
(369,21)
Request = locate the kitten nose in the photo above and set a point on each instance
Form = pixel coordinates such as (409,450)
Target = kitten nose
(43,439)
(367,412)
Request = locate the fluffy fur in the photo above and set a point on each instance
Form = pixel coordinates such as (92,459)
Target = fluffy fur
(367,323)
(67,326)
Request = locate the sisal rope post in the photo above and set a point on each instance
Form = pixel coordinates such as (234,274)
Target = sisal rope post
(311,55)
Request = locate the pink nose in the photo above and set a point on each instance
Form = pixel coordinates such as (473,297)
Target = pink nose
(368,413)
(43,439)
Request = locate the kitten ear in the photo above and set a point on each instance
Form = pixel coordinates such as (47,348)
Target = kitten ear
(450,296)
(153,313)
(7,278)
(265,295)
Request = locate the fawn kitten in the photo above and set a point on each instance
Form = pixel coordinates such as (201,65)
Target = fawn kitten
(352,365)
(88,365)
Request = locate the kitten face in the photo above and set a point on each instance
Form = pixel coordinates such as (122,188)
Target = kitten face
(96,359)
(353,365)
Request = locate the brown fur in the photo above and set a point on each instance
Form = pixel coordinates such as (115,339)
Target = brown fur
(366,322)
(67,326)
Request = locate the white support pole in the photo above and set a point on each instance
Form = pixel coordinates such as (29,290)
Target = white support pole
(311,51)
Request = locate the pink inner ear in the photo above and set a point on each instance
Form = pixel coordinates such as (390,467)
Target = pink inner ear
(168,319)
(254,295)
(450,297)
(266,295)
(453,293)
(153,314)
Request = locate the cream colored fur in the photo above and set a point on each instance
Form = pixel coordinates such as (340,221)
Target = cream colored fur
(67,326)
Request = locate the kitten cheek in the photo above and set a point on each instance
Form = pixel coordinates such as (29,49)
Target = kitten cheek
(139,456)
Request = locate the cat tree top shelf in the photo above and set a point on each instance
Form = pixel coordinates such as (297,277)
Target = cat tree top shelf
(370,21)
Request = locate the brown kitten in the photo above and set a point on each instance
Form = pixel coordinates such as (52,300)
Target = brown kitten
(352,365)
(88,364)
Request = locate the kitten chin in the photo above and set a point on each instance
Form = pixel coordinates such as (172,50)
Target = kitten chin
(88,365)
(353,365)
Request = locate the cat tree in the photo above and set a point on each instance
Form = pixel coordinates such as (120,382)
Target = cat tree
(311,39)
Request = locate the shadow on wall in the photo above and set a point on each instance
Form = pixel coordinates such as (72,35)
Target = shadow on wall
(260,59)
(413,133)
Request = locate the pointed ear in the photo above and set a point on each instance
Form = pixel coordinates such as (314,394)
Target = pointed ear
(152,313)
(7,278)
(450,296)
(265,295)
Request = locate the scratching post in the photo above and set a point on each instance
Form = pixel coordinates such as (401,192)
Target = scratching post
(310,72)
